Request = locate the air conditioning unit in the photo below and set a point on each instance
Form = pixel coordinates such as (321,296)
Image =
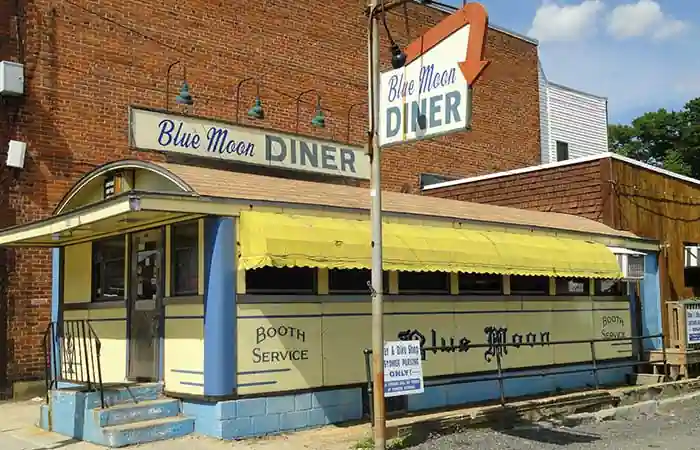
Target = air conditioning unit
(11,78)
(631,263)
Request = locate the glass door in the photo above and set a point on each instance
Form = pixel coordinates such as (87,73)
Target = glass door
(145,304)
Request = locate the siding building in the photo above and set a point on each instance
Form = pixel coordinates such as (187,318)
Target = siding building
(573,124)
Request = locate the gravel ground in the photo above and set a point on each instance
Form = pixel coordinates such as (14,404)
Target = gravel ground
(674,428)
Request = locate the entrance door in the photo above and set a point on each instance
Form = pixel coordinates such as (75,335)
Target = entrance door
(145,304)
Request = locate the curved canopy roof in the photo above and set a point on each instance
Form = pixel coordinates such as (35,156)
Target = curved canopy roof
(85,203)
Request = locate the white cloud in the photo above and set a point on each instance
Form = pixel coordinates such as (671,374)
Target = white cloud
(644,18)
(565,23)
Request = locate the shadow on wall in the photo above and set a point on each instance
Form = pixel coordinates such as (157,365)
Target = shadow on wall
(29,194)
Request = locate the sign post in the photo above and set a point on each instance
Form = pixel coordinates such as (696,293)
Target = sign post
(429,96)
(377,279)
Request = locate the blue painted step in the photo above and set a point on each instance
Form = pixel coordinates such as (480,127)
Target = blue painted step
(148,431)
(139,412)
(124,395)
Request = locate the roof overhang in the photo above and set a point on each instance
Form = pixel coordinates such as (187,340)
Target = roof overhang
(118,214)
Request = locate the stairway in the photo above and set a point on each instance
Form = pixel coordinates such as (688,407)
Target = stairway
(133,415)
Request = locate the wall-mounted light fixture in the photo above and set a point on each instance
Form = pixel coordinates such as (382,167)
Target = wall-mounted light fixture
(398,57)
(347,137)
(255,111)
(319,120)
(184,97)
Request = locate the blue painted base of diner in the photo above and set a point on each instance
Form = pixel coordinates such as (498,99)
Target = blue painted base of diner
(251,417)
(142,414)
(474,389)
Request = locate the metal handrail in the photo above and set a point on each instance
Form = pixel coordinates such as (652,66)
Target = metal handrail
(500,376)
(72,353)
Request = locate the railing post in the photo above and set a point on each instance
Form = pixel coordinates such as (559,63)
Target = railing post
(368,370)
(663,352)
(595,365)
(87,352)
(500,375)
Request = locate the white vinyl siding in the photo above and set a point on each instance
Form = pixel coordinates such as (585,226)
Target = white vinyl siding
(544,116)
(576,118)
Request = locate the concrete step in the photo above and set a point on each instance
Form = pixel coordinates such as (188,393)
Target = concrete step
(121,395)
(130,413)
(147,431)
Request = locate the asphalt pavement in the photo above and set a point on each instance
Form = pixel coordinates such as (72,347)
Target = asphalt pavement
(672,427)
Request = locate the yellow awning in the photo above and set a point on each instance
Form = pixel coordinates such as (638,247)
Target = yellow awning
(281,240)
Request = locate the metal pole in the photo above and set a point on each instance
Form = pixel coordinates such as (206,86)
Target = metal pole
(376,222)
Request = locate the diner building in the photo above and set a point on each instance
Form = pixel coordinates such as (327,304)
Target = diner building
(76,70)
(188,236)
(242,297)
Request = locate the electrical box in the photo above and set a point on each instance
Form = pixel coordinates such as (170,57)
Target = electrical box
(11,78)
(16,152)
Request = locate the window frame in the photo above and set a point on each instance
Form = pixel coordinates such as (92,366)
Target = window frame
(173,260)
(562,145)
(462,275)
(566,292)
(366,290)
(446,291)
(528,292)
(597,292)
(267,291)
(98,261)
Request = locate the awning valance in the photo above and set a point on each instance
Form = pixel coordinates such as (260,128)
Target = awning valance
(282,240)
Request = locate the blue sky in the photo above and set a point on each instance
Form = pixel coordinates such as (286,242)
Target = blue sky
(641,54)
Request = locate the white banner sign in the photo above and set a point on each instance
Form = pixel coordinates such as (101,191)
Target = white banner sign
(431,94)
(154,130)
(692,321)
(403,371)
(427,97)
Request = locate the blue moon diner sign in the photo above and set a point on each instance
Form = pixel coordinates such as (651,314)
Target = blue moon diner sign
(195,136)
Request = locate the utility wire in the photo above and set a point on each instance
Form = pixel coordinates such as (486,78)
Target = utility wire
(188,55)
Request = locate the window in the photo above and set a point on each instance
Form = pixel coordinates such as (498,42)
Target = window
(610,287)
(281,280)
(424,283)
(473,283)
(520,284)
(573,286)
(426,179)
(562,151)
(352,281)
(184,266)
(108,271)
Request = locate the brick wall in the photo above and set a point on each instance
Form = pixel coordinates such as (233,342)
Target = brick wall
(573,189)
(87,60)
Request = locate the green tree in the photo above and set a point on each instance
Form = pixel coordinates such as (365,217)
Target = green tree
(668,139)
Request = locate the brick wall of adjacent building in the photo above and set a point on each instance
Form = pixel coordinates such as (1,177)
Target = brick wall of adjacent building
(87,60)
(573,189)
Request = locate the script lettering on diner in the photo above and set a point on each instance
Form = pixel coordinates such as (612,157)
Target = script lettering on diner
(495,338)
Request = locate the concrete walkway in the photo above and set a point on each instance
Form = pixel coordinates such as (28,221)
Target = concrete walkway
(18,432)
(18,419)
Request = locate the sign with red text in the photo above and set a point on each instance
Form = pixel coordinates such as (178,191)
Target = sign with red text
(431,95)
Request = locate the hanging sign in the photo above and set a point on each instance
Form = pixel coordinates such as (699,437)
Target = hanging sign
(403,372)
(207,138)
(431,94)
